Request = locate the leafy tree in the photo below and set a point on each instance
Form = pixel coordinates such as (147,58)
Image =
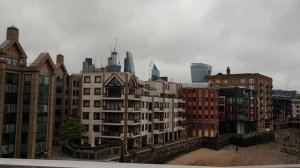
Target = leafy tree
(71,130)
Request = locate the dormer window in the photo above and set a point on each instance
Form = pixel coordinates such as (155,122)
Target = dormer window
(11,61)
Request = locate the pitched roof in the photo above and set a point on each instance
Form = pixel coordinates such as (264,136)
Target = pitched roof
(7,44)
(43,58)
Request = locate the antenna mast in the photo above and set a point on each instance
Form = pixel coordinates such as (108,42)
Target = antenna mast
(116,44)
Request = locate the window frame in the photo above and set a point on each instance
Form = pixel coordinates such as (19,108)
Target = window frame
(97,77)
(85,79)
(85,89)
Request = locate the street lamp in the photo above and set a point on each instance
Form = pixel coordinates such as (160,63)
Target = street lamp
(122,158)
(130,143)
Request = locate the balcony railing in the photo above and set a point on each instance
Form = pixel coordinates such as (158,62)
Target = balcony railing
(112,108)
(135,120)
(112,121)
(110,133)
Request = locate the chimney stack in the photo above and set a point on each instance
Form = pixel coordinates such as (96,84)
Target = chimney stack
(12,33)
(60,59)
(228,71)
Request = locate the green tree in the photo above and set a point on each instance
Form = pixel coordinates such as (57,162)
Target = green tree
(71,130)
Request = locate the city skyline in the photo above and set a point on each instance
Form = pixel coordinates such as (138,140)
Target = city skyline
(256,37)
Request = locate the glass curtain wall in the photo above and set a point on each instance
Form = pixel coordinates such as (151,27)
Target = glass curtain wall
(42,116)
(9,116)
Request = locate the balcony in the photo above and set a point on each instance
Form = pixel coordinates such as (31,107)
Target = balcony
(112,109)
(134,97)
(111,134)
(134,109)
(113,97)
(159,110)
(181,128)
(180,119)
(135,121)
(132,134)
(112,122)
(158,131)
(181,101)
(159,120)
(180,109)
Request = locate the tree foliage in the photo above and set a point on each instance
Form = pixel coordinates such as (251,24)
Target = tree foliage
(71,130)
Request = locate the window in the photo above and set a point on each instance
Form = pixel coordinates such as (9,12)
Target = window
(97,79)
(11,61)
(97,103)
(87,79)
(97,91)
(86,91)
(242,81)
(85,115)
(97,116)
(96,128)
(86,103)
(251,87)
(225,81)
(251,81)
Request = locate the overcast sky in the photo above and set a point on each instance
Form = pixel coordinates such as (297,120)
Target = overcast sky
(248,35)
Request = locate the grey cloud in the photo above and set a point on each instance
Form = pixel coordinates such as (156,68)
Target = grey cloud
(235,33)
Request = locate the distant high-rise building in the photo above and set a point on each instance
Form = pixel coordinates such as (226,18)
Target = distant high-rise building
(88,66)
(128,63)
(199,71)
(155,73)
(113,65)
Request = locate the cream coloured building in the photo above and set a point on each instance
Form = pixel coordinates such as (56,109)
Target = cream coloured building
(116,105)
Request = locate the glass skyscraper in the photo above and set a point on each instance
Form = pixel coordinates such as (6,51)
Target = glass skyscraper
(155,73)
(128,63)
(199,71)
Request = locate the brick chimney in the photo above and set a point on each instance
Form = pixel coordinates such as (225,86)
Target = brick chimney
(228,71)
(12,33)
(60,59)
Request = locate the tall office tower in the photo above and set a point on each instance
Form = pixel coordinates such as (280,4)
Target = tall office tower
(260,83)
(155,73)
(87,65)
(202,109)
(31,98)
(199,71)
(128,63)
(113,65)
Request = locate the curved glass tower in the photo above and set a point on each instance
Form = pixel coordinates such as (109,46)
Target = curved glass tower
(199,71)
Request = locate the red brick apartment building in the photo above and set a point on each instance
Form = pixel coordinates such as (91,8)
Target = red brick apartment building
(202,110)
(260,83)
